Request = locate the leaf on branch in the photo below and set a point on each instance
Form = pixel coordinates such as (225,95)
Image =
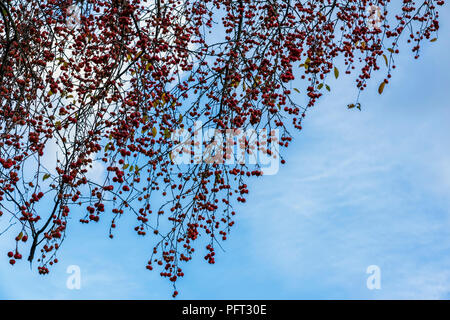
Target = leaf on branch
(163,98)
(381,87)
(386,60)
(166,133)
(352,105)
(336,72)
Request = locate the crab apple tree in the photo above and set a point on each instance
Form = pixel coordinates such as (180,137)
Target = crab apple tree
(92,92)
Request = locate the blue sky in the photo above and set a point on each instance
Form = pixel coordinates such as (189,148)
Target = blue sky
(359,189)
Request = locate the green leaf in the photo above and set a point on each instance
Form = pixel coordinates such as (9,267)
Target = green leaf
(46,176)
(296,90)
(328,87)
(320,86)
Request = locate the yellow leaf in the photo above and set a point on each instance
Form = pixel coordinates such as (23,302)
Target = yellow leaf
(336,72)
(154,132)
(386,60)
